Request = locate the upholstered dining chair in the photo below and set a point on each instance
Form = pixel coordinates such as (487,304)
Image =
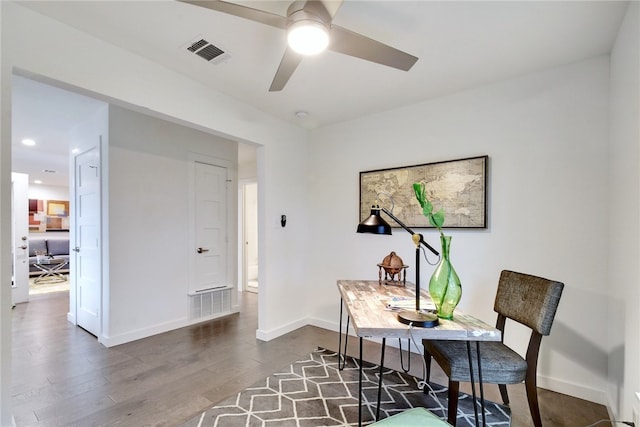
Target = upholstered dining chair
(529,300)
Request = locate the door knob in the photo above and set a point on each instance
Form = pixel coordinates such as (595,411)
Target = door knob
(76,249)
(202,250)
(24,247)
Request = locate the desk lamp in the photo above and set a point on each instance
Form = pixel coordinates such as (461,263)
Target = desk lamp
(375,224)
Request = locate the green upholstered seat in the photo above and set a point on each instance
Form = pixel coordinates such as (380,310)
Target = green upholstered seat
(415,417)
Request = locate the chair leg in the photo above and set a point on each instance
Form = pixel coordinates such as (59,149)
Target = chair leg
(530,380)
(503,393)
(532,397)
(454,388)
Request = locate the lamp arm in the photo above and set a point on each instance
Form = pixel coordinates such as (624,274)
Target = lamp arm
(410,231)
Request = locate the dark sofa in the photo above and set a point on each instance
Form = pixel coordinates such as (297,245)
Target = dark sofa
(55,247)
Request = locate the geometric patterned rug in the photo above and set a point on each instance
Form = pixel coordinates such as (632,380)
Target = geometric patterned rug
(314,392)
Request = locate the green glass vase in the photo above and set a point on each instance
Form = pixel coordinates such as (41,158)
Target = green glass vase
(445,287)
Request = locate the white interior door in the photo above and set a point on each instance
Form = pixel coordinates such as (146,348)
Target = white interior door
(20,235)
(210,250)
(87,249)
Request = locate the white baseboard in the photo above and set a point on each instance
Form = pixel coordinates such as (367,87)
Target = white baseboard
(576,390)
(331,326)
(263,335)
(110,341)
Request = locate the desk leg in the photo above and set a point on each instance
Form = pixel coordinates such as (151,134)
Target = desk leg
(384,343)
(473,385)
(480,384)
(342,356)
(484,420)
(360,388)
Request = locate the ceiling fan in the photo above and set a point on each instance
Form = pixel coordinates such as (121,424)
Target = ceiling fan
(309,19)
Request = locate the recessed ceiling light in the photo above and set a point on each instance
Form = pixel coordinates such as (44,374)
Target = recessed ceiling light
(37,181)
(75,151)
(29,142)
(301,114)
(48,171)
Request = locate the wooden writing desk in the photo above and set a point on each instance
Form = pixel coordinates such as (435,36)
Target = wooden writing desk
(366,302)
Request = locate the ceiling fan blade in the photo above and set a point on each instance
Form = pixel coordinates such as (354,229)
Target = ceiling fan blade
(289,63)
(354,44)
(241,11)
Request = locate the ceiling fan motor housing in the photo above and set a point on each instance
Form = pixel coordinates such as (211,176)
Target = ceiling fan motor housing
(308,25)
(313,11)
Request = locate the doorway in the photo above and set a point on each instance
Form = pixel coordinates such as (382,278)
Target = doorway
(250,236)
(46,209)
(45,123)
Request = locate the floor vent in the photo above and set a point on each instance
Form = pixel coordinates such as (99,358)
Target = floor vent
(210,303)
(206,50)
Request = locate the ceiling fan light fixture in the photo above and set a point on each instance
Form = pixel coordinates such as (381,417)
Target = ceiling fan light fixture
(310,29)
(308,37)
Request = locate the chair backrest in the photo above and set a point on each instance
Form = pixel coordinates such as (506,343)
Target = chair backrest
(527,299)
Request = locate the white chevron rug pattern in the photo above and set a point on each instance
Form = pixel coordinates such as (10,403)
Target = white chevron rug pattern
(315,392)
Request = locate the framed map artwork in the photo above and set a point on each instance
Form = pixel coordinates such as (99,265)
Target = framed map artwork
(458,186)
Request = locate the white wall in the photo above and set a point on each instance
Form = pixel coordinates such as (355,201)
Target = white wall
(247,162)
(546,136)
(283,252)
(108,72)
(56,53)
(149,220)
(48,192)
(623,281)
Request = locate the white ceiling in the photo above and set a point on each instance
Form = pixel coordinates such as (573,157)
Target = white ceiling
(45,114)
(460,45)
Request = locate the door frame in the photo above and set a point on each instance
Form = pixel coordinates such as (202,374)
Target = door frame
(19,226)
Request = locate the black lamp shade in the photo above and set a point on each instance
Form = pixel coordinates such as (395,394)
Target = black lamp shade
(374,224)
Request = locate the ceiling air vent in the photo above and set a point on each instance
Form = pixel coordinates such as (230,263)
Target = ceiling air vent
(204,49)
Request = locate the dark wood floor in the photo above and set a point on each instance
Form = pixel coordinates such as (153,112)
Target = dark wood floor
(63,377)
